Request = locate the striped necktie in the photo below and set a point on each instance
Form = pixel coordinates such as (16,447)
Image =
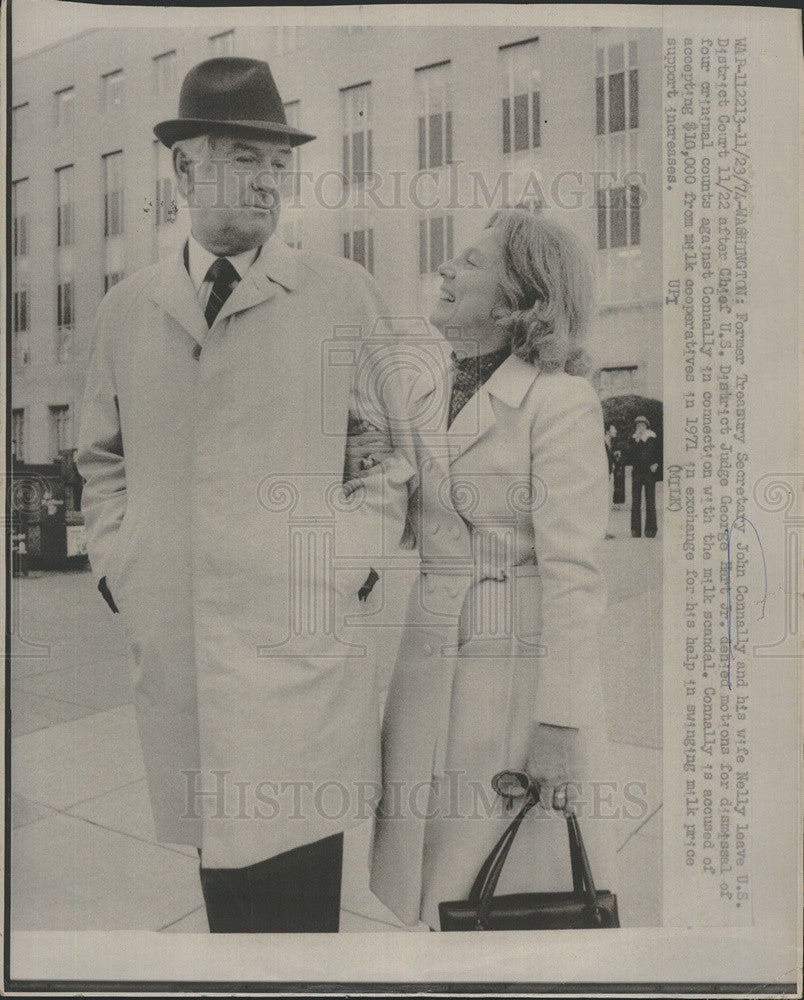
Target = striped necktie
(223,275)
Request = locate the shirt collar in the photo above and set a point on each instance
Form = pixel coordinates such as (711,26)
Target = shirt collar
(200,260)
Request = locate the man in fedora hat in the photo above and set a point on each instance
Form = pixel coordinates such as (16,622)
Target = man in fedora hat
(212,443)
(643,456)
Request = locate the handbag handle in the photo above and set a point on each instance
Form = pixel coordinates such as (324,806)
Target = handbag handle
(482,892)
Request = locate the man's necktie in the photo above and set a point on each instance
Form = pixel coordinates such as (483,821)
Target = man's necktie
(224,277)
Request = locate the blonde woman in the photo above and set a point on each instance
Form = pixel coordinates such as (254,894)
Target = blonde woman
(498,667)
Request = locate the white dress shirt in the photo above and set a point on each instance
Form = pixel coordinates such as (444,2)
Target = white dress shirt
(200,260)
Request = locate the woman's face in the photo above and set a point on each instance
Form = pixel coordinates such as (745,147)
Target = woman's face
(469,291)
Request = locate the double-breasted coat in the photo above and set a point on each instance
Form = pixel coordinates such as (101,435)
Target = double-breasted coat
(214,507)
(509,506)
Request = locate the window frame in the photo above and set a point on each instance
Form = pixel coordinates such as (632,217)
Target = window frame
(349,140)
(427,118)
(426,233)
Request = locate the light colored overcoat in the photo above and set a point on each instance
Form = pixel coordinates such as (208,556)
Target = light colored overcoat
(215,510)
(509,507)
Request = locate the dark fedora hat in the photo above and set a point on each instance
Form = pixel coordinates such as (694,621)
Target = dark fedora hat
(234,94)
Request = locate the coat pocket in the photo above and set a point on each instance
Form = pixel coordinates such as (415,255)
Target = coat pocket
(119,555)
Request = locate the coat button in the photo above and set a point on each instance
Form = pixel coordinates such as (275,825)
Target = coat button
(434,529)
(427,649)
(453,591)
(430,586)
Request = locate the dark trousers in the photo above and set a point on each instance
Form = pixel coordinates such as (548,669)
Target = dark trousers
(295,892)
(638,481)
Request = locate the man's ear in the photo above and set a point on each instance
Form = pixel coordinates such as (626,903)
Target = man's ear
(183,169)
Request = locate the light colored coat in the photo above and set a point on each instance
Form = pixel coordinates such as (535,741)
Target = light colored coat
(502,633)
(215,510)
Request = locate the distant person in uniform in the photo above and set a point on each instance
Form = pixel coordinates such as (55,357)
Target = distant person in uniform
(643,457)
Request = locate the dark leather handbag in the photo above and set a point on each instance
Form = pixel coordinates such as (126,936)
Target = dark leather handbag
(584,907)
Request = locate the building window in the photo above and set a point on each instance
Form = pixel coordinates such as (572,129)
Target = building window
(435,115)
(112,85)
(165,203)
(110,279)
(165,73)
(618,381)
(19,117)
(617,88)
(435,243)
(18,434)
(21,313)
(618,222)
(113,194)
(65,304)
(222,44)
(65,235)
(357,135)
(358,246)
(19,215)
(65,103)
(60,430)
(293,116)
(521,102)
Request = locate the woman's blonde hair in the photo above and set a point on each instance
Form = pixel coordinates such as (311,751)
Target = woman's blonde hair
(546,290)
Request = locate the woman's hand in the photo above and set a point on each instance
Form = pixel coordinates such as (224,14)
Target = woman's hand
(366,450)
(553,763)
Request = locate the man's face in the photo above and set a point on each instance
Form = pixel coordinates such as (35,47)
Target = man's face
(233,191)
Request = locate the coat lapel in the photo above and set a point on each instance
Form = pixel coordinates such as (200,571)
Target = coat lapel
(509,384)
(275,266)
(175,293)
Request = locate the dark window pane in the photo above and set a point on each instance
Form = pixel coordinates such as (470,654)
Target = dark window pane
(422,246)
(436,243)
(24,309)
(58,305)
(602,243)
(600,102)
(521,122)
(358,162)
(616,102)
(617,214)
(448,138)
(633,97)
(370,251)
(635,199)
(537,132)
(506,124)
(422,144)
(436,140)
(347,245)
(359,247)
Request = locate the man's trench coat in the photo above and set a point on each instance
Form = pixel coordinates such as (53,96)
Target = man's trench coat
(214,507)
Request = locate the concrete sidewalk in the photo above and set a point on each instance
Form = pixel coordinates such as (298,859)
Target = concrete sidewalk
(83,850)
